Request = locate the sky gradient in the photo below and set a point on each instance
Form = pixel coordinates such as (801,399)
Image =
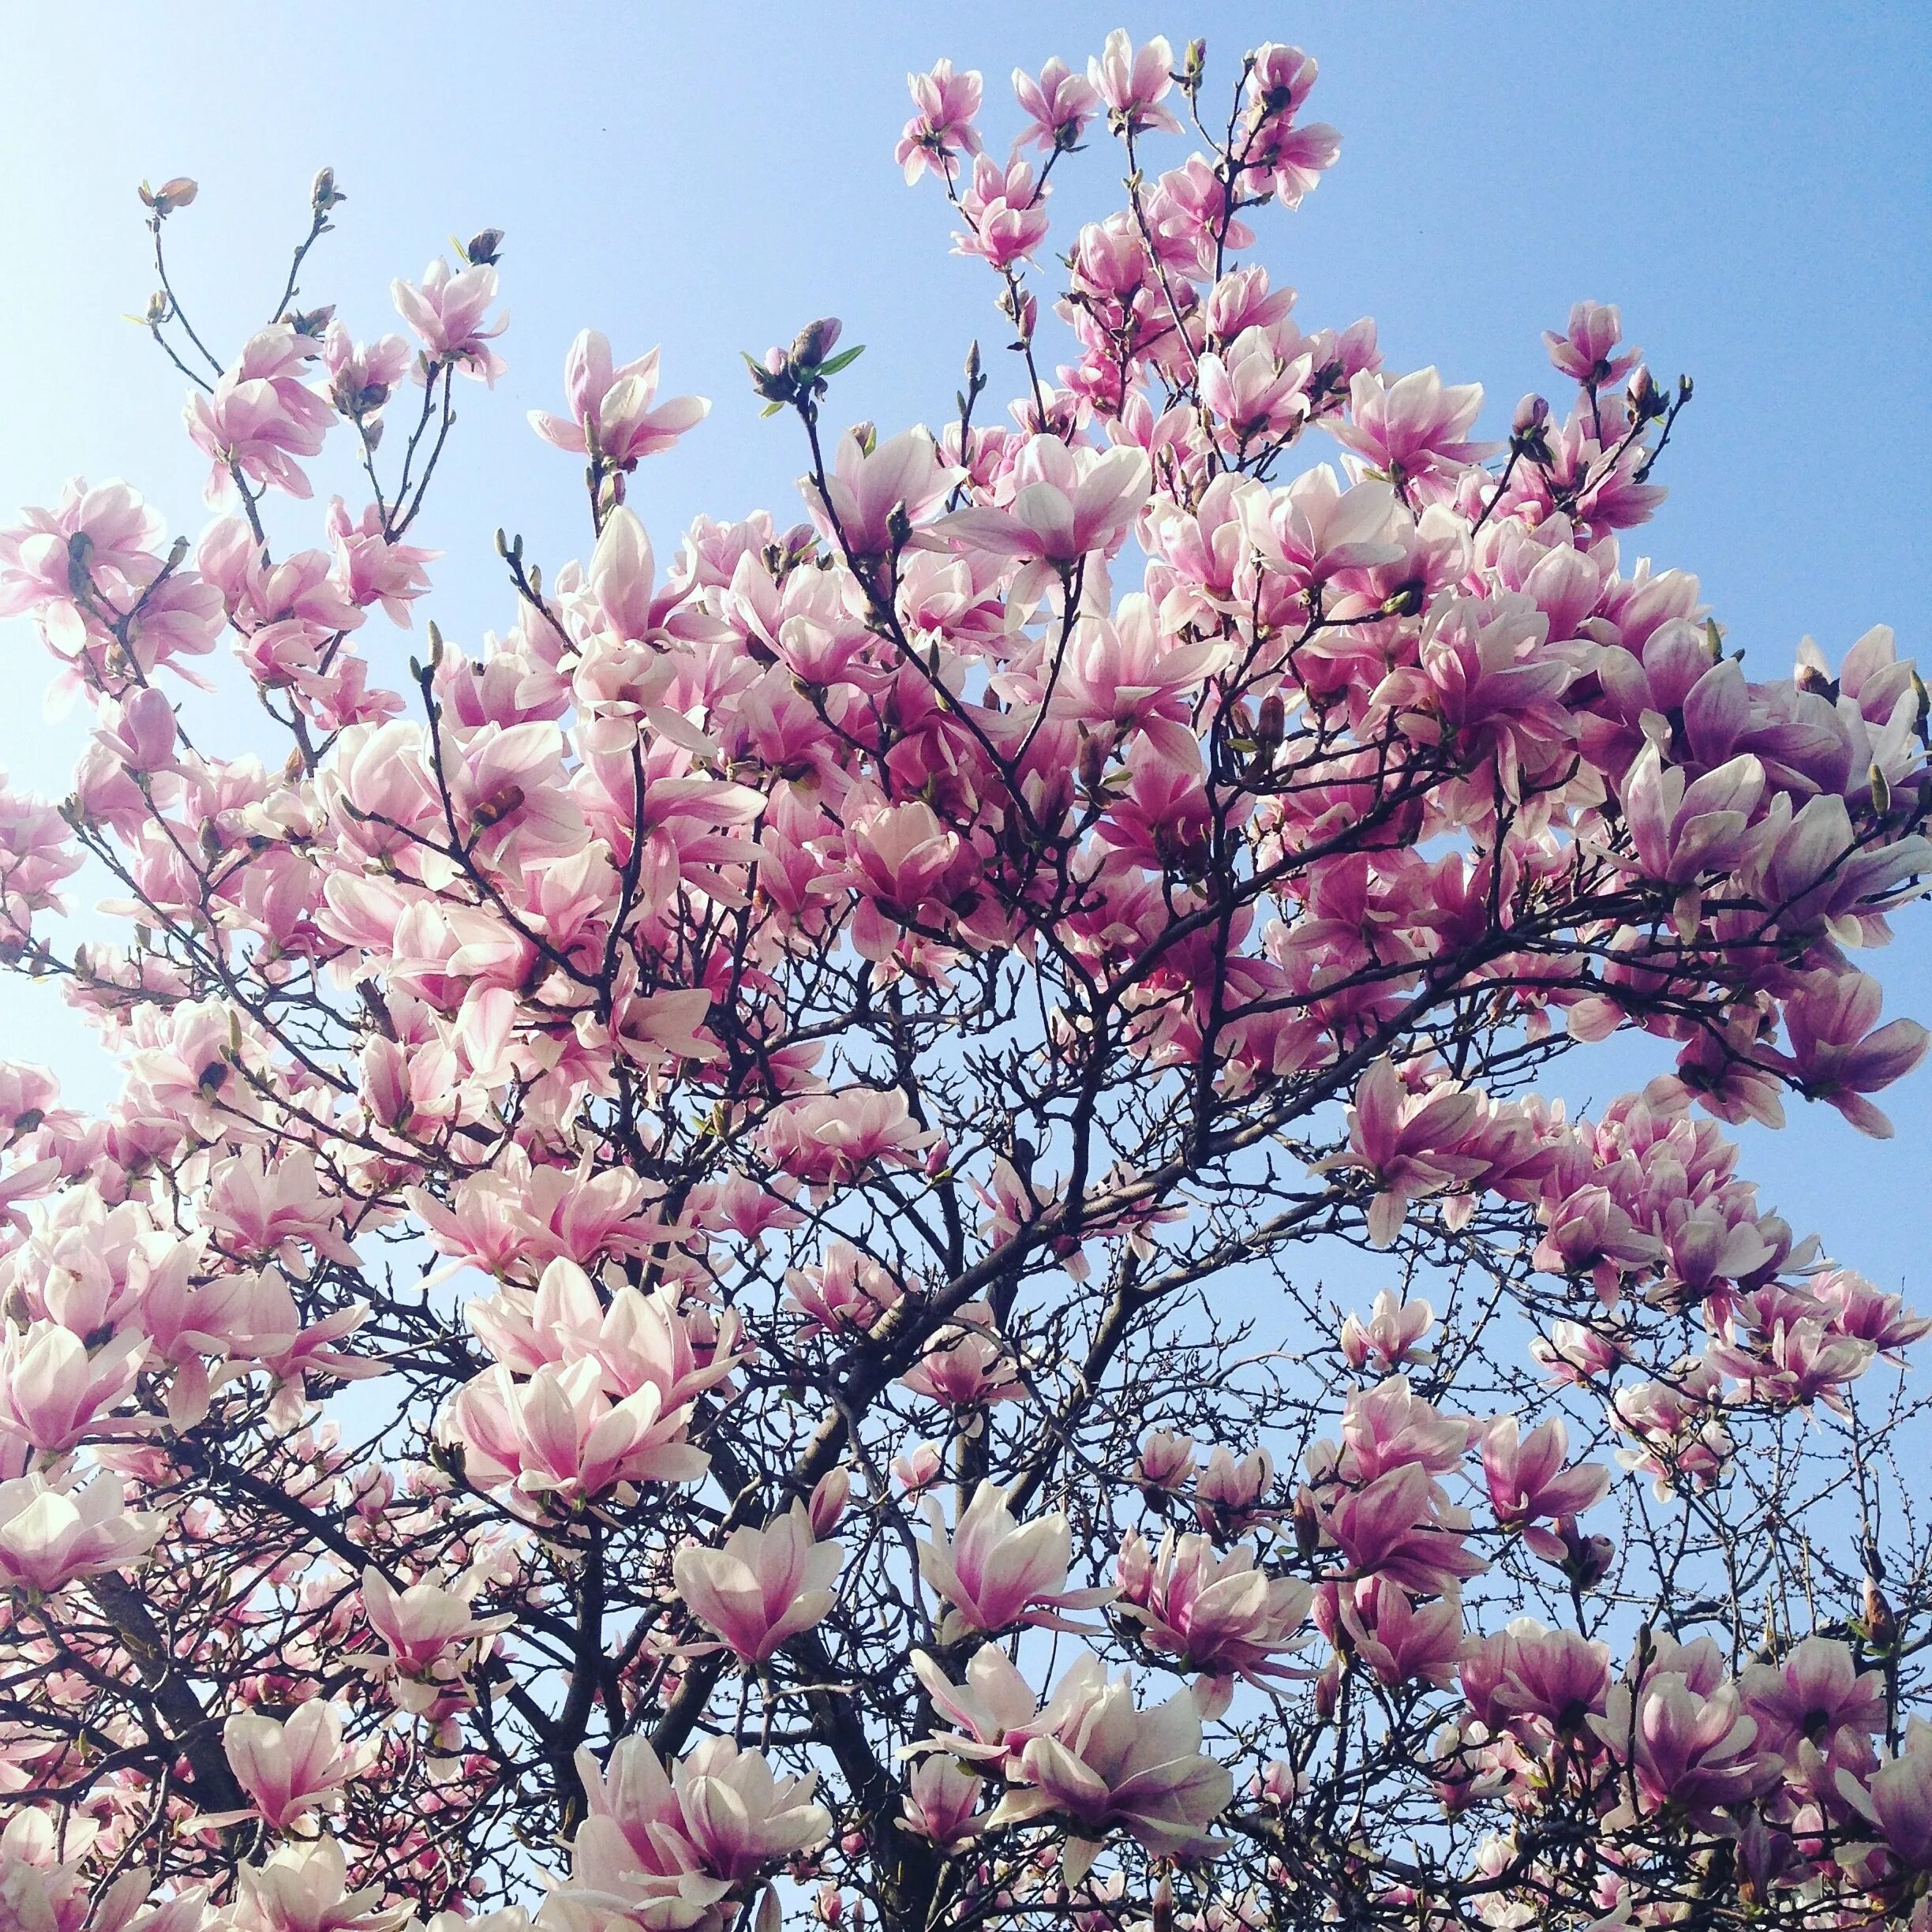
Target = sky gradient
(1752,183)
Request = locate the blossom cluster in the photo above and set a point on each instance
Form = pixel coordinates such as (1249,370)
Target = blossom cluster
(694,1305)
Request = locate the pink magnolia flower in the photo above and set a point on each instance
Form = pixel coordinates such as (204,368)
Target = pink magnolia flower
(613,407)
(303,1887)
(447,311)
(52,1533)
(1058,105)
(259,416)
(1552,1682)
(632,1855)
(291,1769)
(1839,1052)
(995,1572)
(54,1393)
(1410,1142)
(1414,426)
(1691,1749)
(1005,212)
(1065,503)
(1899,1800)
(1856,1306)
(964,1367)
(1403,1641)
(1685,828)
(373,567)
(1222,1614)
(1587,351)
(1815,1694)
(429,1632)
(1228,1494)
(832,1139)
(846,1292)
(763,1586)
(942,128)
(1395,1527)
(741,1818)
(1526,1479)
(1108,1765)
(906,475)
(560,1433)
(1166,1462)
(1392,1336)
(941,1804)
(1133,81)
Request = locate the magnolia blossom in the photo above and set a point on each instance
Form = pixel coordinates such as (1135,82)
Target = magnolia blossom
(1107,1764)
(763,1586)
(995,1572)
(288,1770)
(51,1533)
(614,408)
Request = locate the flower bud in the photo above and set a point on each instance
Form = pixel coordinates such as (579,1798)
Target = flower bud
(484,248)
(815,342)
(323,193)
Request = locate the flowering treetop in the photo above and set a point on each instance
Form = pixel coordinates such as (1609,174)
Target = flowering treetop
(696,1305)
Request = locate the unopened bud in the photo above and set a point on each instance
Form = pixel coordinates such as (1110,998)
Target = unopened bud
(1645,400)
(1881,791)
(486,247)
(323,193)
(1880,1625)
(815,341)
(1272,726)
(829,1498)
(1093,758)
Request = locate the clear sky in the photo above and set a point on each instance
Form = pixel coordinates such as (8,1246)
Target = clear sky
(1752,181)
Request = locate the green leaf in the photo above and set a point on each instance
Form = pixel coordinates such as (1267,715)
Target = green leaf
(845,360)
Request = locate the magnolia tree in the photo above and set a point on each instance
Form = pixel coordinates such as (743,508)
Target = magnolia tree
(701,1302)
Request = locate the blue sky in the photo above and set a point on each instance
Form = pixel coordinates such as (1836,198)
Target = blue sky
(1752,183)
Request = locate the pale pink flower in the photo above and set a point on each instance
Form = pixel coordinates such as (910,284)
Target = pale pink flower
(1065,503)
(289,1769)
(741,1819)
(1811,1694)
(1219,1614)
(613,407)
(995,1572)
(906,475)
(941,1804)
(447,311)
(763,1586)
(942,129)
(1058,105)
(1691,1748)
(1391,1337)
(303,1887)
(429,1632)
(1587,351)
(832,1139)
(1413,426)
(1839,1052)
(52,1533)
(1133,81)
(1526,1478)
(1107,1766)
